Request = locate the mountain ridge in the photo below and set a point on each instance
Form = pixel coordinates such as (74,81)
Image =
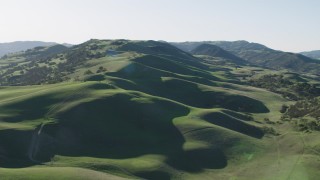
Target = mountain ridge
(312,54)
(17,46)
(261,55)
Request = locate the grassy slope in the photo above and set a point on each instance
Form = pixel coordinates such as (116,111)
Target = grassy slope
(198,137)
(164,147)
(54,173)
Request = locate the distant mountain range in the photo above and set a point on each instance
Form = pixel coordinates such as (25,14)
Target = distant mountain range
(238,52)
(312,54)
(261,55)
(17,46)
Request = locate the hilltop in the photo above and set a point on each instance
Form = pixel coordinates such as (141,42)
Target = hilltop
(215,51)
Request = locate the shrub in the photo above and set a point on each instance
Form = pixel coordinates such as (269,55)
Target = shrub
(88,72)
(284,108)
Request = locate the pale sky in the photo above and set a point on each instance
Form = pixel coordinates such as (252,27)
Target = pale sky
(289,25)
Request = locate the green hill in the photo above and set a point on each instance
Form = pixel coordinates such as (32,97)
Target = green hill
(120,109)
(215,51)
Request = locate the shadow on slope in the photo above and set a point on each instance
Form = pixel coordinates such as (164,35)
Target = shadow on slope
(150,66)
(234,124)
(107,127)
(123,126)
(31,108)
(173,66)
(116,126)
(14,147)
(191,94)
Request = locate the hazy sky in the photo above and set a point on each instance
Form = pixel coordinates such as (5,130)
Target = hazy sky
(290,25)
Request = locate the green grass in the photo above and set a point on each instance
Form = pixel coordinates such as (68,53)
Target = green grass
(143,123)
(97,112)
(54,173)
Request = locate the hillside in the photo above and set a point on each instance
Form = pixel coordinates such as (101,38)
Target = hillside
(121,109)
(215,51)
(31,66)
(261,55)
(312,54)
(17,46)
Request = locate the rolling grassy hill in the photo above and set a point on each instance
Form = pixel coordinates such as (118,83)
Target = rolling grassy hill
(119,109)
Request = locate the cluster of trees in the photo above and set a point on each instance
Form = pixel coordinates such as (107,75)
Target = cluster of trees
(305,114)
(307,107)
(78,55)
(289,89)
(40,69)
(305,124)
(100,70)
(35,75)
